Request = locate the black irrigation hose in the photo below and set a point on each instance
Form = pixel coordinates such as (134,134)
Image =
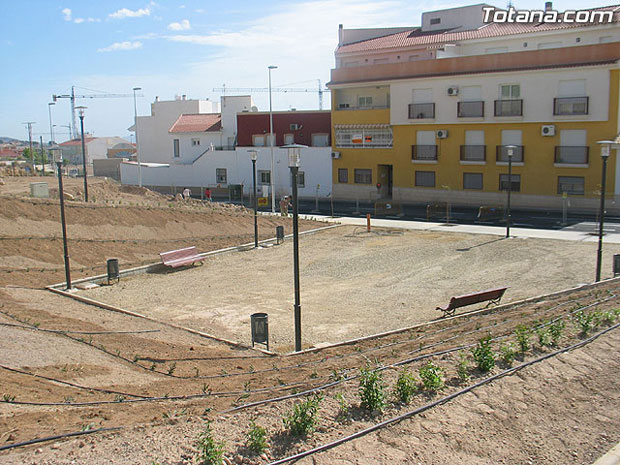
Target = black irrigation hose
(66,331)
(443,400)
(54,438)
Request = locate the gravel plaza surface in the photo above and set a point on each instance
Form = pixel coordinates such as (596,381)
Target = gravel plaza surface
(353,283)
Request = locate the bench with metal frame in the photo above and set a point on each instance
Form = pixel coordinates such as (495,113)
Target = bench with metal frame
(493,296)
(181,257)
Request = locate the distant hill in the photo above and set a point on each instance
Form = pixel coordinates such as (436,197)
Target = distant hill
(6,140)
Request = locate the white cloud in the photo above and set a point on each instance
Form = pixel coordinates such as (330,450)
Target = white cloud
(180,26)
(78,20)
(116,46)
(93,20)
(127,13)
(66,12)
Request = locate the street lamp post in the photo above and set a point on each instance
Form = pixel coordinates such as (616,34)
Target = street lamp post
(56,155)
(253,156)
(49,109)
(509,152)
(294,152)
(605,150)
(135,125)
(81,109)
(271,141)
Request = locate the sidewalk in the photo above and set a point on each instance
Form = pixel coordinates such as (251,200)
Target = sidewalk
(565,235)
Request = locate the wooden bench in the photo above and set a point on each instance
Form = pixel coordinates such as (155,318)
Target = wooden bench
(491,295)
(181,257)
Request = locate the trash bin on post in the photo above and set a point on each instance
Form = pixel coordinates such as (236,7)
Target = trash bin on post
(279,234)
(113,270)
(260,328)
(616,264)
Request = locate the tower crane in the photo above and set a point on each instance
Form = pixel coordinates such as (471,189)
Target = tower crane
(72,96)
(319,90)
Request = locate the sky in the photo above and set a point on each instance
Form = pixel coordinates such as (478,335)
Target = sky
(171,48)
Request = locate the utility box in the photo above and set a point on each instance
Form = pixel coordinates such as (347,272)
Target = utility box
(260,328)
(616,264)
(39,190)
(279,234)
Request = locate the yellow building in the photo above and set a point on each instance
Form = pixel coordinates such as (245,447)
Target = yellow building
(431,114)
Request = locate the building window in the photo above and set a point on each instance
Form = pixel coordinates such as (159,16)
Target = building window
(220,175)
(364,101)
(573,185)
(421,110)
(472,181)
(363,176)
(195,142)
(289,139)
(177,151)
(510,102)
(320,140)
(425,179)
(516,182)
(509,92)
(570,106)
(343,175)
(264,177)
(258,140)
(424,152)
(470,109)
(364,137)
(435,21)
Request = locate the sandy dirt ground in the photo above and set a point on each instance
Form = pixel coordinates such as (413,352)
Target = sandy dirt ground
(68,367)
(353,284)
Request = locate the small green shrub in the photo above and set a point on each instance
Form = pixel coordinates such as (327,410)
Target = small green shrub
(372,389)
(172,367)
(523,335)
(343,406)
(584,322)
(544,337)
(304,418)
(483,355)
(406,386)
(609,317)
(462,367)
(432,377)
(507,353)
(257,438)
(555,331)
(210,451)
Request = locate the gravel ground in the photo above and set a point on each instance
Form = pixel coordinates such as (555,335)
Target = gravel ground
(353,283)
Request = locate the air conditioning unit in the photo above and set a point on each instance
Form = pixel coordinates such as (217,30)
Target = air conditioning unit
(442,134)
(453,90)
(295,126)
(335,155)
(548,130)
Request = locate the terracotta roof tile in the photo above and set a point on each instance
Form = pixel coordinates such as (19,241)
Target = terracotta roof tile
(416,38)
(209,122)
(77,141)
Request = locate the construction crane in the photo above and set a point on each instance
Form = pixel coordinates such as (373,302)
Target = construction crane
(319,90)
(73,132)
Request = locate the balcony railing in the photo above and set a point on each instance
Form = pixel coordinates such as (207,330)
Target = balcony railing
(509,108)
(347,106)
(570,106)
(421,110)
(473,152)
(470,109)
(571,155)
(224,147)
(424,152)
(501,153)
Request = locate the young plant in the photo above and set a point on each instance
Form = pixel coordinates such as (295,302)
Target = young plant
(483,355)
(172,367)
(462,367)
(544,337)
(584,322)
(555,331)
(371,390)
(210,451)
(507,353)
(523,335)
(343,406)
(304,418)
(257,438)
(432,377)
(406,386)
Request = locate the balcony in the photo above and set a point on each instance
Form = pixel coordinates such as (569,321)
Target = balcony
(570,106)
(571,155)
(509,108)
(501,154)
(470,109)
(423,153)
(474,153)
(347,106)
(421,110)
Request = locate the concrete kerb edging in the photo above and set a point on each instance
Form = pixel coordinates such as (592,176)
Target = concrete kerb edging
(482,311)
(57,288)
(610,458)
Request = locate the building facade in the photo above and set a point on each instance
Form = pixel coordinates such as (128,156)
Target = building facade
(425,115)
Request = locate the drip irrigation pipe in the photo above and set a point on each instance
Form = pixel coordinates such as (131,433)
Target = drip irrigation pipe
(66,331)
(54,438)
(443,400)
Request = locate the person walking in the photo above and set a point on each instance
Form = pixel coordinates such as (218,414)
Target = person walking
(187,193)
(208,194)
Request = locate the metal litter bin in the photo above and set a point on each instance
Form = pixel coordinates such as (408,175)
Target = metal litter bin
(279,234)
(616,264)
(260,328)
(113,270)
